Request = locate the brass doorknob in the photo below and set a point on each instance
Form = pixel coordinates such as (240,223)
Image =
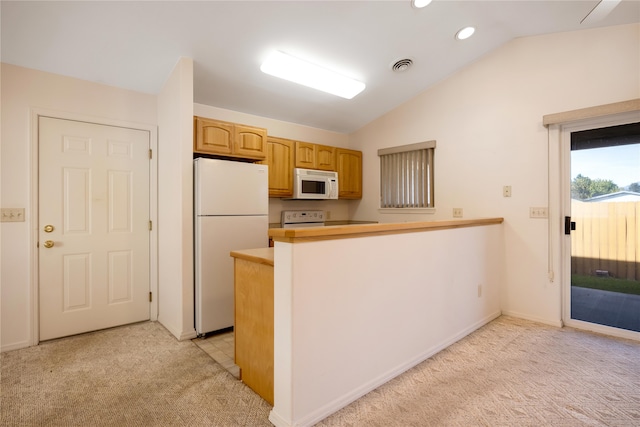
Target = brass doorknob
(48,228)
(48,244)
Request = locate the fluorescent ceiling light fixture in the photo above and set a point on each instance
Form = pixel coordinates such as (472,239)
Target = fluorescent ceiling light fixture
(290,68)
(420,3)
(600,11)
(465,33)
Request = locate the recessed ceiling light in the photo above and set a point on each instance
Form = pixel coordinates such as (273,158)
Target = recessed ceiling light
(419,4)
(465,33)
(296,70)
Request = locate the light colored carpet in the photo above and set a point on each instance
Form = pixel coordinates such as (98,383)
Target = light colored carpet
(135,375)
(509,373)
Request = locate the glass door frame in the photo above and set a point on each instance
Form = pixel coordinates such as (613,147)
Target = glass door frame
(562,134)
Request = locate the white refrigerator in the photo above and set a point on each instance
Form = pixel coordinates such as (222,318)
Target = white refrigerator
(231,207)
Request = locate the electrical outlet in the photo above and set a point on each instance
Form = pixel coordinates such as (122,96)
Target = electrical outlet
(327,214)
(12,214)
(538,212)
(506,191)
(457,212)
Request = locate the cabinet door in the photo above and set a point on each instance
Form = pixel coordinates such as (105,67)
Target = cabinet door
(253,328)
(305,155)
(325,157)
(213,137)
(349,166)
(250,142)
(280,161)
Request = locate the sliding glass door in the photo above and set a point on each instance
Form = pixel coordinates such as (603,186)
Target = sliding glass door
(604,225)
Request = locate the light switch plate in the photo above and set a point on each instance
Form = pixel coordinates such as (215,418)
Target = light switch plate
(12,214)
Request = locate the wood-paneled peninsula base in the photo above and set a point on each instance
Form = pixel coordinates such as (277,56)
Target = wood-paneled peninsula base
(293,235)
(253,330)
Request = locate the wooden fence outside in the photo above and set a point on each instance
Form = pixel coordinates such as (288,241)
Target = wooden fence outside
(606,239)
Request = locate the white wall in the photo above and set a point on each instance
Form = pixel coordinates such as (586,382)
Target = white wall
(339,208)
(487,121)
(24,91)
(351,314)
(175,202)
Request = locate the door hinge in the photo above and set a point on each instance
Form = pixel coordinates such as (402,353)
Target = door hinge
(150,225)
(150,296)
(150,153)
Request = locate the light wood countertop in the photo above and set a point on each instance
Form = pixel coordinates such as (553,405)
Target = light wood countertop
(260,255)
(293,235)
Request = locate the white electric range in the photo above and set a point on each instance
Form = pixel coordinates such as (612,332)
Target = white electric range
(302,219)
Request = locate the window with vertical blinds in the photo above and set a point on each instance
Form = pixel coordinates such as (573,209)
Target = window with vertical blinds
(406,176)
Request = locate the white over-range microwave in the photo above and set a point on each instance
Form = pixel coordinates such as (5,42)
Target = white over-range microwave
(314,185)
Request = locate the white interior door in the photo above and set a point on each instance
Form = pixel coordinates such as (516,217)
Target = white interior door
(93,226)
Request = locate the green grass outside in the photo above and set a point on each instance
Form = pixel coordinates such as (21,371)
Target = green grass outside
(606,284)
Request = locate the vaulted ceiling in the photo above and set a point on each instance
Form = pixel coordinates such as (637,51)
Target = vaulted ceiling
(135,45)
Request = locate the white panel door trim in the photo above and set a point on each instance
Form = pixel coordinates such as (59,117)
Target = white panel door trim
(35,114)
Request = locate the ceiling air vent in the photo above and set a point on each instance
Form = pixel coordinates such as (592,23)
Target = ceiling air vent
(402,65)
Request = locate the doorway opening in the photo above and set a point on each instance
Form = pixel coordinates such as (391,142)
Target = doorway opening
(605,226)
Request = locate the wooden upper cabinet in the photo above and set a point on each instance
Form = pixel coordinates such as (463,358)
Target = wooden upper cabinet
(325,158)
(305,155)
(315,156)
(280,154)
(229,139)
(213,136)
(250,141)
(349,167)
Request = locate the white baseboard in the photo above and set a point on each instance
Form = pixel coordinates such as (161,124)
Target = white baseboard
(277,420)
(180,335)
(188,335)
(15,346)
(557,323)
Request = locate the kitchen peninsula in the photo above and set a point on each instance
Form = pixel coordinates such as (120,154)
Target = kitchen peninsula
(357,305)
